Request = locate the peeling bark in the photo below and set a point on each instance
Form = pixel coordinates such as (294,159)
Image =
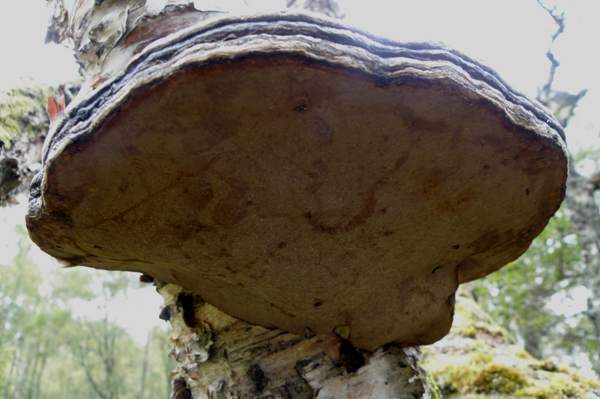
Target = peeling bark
(219,356)
(105,35)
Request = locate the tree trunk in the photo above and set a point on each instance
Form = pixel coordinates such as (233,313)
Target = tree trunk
(13,366)
(23,372)
(40,374)
(218,356)
(145,365)
(163,344)
(106,34)
(33,372)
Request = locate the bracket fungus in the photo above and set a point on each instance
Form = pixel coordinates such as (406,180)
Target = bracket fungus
(300,174)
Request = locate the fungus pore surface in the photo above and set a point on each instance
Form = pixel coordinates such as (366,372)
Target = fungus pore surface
(299,174)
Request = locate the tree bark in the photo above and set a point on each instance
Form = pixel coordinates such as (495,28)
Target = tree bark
(105,35)
(219,356)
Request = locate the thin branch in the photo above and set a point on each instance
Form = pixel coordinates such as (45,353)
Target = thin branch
(562,104)
(558,18)
(547,87)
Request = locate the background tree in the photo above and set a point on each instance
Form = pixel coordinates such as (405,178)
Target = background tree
(46,351)
(564,262)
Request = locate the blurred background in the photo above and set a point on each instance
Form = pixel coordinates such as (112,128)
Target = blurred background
(81,333)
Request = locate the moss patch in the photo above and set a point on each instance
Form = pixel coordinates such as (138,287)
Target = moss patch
(23,113)
(480,360)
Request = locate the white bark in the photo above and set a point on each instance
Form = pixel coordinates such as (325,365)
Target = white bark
(106,34)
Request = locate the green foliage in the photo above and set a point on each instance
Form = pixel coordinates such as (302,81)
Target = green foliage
(68,286)
(48,352)
(520,296)
(106,354)
(590,156)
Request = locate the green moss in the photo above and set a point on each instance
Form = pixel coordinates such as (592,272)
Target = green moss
(477,373)
(474,329)
(496,378)
(551,381)
(472,322)
(479,360)
(560,386)
(22,112)
(545,365)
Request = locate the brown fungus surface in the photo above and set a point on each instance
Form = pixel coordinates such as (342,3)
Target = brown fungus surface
(301,175)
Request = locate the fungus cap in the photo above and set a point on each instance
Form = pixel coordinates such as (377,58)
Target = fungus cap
(299,174)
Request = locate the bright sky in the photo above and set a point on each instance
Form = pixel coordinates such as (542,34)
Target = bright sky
(512,36)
